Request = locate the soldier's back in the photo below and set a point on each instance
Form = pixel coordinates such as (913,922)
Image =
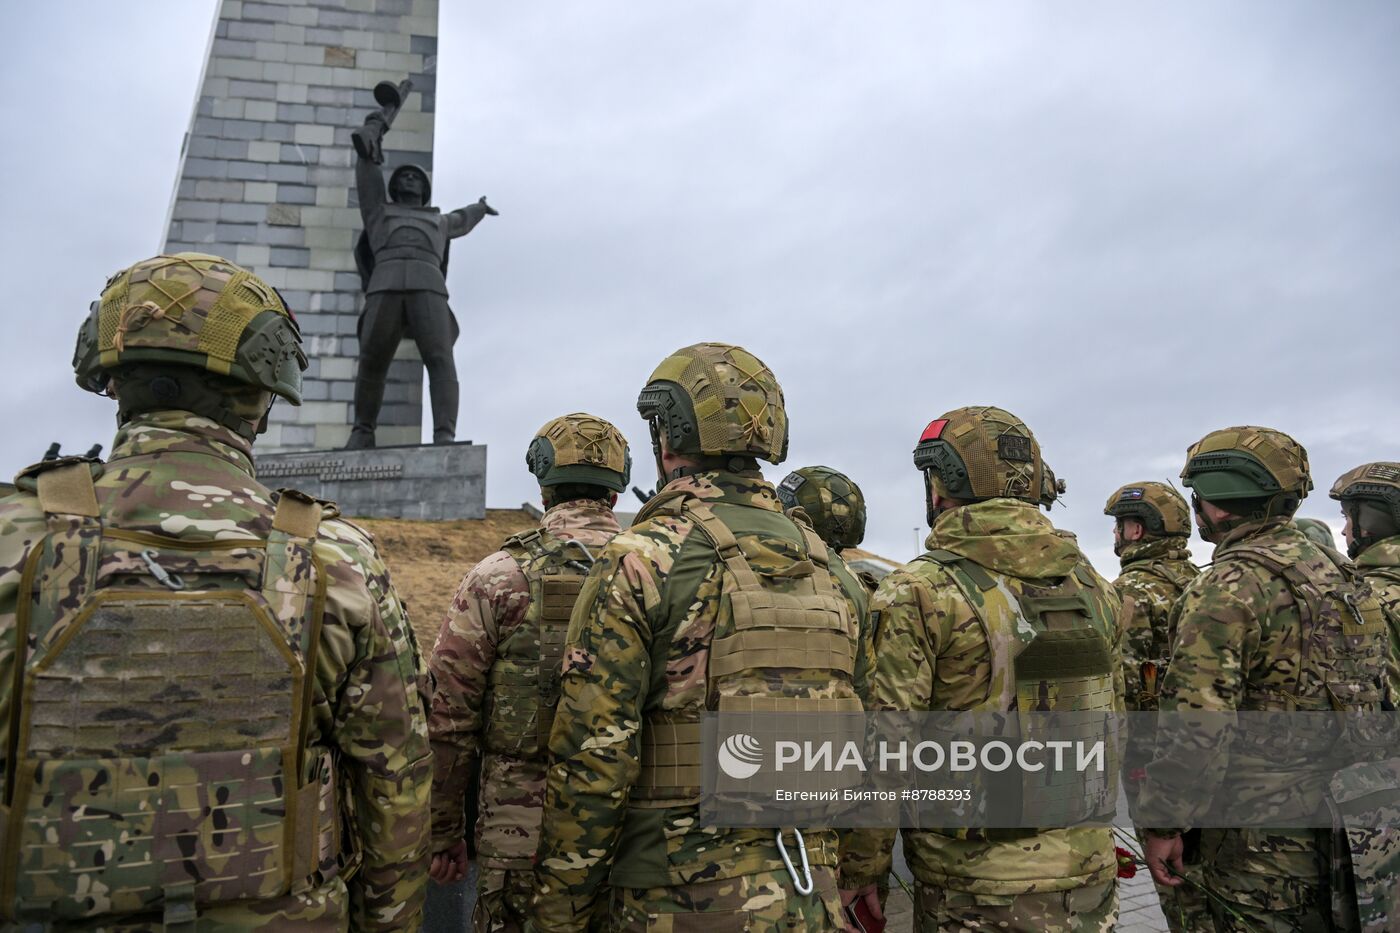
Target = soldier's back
(192,638)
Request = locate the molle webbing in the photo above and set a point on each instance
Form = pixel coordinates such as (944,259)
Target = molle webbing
(1050,648)
(670,762)
(1324,602)
(177,708)
(797,622)
(559,592)
(774,629)
(524,680)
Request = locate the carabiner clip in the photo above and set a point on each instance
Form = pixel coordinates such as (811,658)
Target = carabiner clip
(797,883)
(170,580)
(587,553)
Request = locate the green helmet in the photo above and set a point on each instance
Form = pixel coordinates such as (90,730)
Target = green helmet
(580,448)
(716,400)
(981,453)
(1370,497)
(192,309)
(1249,462)
(1316,531)
(831,500)
(1161,509)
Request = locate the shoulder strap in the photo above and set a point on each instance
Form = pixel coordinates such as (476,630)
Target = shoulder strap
(973,571)
(724,542)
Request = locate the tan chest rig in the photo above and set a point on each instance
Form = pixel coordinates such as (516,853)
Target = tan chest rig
(1048,647)
(772,625)
(523,687)
(159,757)
(1343,637)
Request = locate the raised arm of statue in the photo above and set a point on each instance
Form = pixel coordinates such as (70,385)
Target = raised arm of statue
(369,184)
(461,221)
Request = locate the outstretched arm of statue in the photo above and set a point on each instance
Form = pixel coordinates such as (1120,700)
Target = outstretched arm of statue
(461,221)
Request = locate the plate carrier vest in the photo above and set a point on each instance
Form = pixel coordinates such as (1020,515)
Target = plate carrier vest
(159,756)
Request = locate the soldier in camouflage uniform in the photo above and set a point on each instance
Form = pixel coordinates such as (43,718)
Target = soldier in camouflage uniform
(1150,533)
(1370,499)
(497,661)
(1238,628)
(835,507)
(966,626)
(223,673)
(714,599)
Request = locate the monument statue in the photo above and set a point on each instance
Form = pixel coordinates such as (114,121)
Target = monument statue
(402,257)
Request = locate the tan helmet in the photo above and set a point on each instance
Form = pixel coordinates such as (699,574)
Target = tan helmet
(979,453)
(1247,462)
(1370,497)
(715,400)
(1161,509)
(831,500)
(580,448)
(192,309)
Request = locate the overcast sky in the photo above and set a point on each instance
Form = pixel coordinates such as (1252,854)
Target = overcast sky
(1128,223)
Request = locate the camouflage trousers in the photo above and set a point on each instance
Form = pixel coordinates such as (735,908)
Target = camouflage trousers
(1186,907)
(1092,909)
(756,903)
(502,900)
(320,910)
(1266,881)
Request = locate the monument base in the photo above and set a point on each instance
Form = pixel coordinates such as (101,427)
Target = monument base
(429,482)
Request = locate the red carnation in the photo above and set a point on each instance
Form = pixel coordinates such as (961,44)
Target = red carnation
(1127,863)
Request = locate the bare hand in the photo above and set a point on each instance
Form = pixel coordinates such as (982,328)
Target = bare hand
(1163,857)
(451,864)
(870,894)
(489,209)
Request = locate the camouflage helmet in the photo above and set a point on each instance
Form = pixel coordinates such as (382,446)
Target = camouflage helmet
(1316,531)
(1051,487)
(580,448)
(192,309)
(1249,462)
(1161,509)
(1378,482)
(716,399)
(406,169)
(831,500)
(1370,498)
(981,452)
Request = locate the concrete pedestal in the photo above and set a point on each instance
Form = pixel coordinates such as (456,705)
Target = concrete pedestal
(437,482)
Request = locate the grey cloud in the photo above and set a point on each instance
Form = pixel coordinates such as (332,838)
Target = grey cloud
(1128,223)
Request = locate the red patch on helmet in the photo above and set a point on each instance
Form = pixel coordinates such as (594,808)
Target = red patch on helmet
(934,429)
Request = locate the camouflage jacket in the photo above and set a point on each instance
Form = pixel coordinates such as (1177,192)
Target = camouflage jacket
(932,653)
(1380,565)
(1237,648)
(639,645)
(489,606)
(1154,575)
(182,476)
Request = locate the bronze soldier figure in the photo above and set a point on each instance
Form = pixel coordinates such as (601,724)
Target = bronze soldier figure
(402,255)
